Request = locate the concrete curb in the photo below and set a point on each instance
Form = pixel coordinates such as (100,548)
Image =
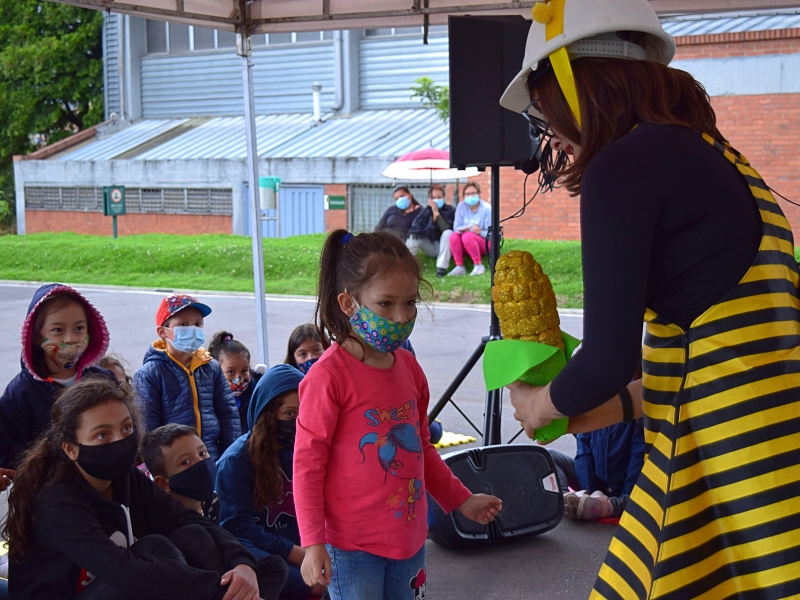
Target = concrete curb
(272,297)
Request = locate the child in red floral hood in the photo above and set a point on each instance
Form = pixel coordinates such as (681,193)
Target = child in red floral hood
(63,338)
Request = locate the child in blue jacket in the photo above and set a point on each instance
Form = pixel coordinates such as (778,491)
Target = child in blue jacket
(254,478)
(179,382)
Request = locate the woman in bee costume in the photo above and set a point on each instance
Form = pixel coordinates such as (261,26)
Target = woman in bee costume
(679,228)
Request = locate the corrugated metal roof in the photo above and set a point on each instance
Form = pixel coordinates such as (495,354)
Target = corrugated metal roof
(122,141)
(706,24)
(368,133)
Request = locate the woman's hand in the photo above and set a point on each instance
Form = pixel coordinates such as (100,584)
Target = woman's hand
(476,229)
(532,406)
(6,475)
(481,508)
(243,583)
(296,556)
(316,567)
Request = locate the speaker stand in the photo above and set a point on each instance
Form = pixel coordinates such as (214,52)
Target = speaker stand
(494,398)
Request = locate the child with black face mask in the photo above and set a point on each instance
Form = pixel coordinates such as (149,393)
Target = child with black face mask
(254,478)
(234,359)
(83,520)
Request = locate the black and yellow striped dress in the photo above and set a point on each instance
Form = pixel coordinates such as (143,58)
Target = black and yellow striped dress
(716,510)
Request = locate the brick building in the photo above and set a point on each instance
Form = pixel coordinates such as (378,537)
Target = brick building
(178,143)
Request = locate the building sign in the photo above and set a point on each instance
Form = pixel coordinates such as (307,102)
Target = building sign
(114,200)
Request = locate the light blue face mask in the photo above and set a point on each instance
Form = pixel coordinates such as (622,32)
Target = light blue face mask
(472,200)
(187,338)
(439,202)
(403,202)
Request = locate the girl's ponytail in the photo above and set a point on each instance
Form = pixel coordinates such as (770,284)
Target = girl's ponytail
(330,320)
(223,343)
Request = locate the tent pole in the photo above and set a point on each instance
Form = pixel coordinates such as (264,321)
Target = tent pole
(243,48)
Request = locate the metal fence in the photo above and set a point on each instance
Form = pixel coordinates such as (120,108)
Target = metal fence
(190,201)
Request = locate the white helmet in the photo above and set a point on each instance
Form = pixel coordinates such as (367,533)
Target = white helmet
(566,29)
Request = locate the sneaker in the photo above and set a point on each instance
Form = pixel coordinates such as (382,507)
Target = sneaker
(584,506)
(441,272)
(459,270)
(478,270)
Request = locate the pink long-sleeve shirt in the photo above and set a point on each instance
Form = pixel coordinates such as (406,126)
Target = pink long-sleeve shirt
(363,458)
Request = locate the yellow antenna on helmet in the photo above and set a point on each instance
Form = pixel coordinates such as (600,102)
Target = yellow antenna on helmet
(551,15)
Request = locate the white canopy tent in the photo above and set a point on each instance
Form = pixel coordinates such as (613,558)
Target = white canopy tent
(248,17)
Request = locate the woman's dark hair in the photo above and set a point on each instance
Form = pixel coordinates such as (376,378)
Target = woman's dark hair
(223,343)
(471,184)
(263,449)
(49,306)
(614,95)
(44,463)
(301,333)
(351,266)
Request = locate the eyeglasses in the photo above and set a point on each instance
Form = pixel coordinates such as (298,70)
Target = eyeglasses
(541,126)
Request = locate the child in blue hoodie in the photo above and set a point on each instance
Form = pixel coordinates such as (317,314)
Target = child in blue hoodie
(254,478)
(179,382)
(63,338)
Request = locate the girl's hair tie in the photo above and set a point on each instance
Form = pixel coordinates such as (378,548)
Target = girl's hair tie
(347,237)
(228,338)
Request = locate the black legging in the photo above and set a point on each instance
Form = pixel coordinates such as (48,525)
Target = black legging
(193,545)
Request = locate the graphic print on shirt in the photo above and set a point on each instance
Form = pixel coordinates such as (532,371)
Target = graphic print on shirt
(276,510)
(417,584)
(399,455)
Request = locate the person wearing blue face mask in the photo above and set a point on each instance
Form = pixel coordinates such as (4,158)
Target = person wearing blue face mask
(471,226)
(432,228)
(180,382)
(399,216)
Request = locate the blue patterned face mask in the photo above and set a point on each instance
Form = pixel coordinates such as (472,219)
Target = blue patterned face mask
(382,334)
(303,367)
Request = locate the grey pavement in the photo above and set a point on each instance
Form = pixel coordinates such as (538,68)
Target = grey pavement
(562,563)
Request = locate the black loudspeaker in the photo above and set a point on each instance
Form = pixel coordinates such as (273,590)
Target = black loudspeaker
(523,477)
(485,55)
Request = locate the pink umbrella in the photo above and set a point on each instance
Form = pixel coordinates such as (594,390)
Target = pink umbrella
(430,165)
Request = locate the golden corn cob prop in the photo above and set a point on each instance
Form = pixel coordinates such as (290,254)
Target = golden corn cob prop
(524,300)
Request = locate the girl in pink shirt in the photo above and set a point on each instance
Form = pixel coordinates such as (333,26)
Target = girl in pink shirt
(363,458)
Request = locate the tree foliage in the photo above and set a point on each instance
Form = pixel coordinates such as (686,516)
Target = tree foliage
(433,95)
(51,77)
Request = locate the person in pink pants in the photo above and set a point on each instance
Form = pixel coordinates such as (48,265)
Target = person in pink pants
(472,220)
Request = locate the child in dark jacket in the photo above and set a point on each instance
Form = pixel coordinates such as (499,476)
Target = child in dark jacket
(234,359)
(83,521)
(63,337)
(180,465)
(179,382)
(254,478)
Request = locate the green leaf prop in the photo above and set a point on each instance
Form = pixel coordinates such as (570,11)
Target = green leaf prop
(507,361)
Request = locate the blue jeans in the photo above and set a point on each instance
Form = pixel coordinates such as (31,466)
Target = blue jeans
(363,576)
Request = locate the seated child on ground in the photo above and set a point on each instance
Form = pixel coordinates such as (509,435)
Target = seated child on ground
(254,478)
(605,469)
(63,336)
(83,520)
(234,358)
(179,382)
(305,347)
(114,363)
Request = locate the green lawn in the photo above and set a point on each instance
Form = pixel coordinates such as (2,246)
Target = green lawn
(223,262)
